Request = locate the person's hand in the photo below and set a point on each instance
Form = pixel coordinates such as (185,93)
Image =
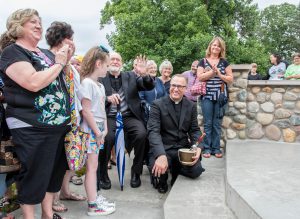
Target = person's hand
(160,166)
(71,49)
(114,99)
(216,71)
(61,55)
(196,156)
(141,65)
(99,138)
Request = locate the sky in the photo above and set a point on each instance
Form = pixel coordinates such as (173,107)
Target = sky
(83,16)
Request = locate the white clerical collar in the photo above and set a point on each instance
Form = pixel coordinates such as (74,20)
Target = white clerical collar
(176,102)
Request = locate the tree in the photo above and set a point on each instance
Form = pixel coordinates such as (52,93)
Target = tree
(180,30)
(280,29)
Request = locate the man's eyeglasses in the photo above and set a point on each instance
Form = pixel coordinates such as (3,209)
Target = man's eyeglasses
(180,87)
(103,49)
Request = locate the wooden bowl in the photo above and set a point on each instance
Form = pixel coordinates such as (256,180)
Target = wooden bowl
(185,156)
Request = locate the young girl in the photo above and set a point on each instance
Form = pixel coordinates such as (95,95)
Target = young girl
(94,65)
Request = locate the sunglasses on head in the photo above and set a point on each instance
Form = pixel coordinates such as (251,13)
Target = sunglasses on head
(103,49)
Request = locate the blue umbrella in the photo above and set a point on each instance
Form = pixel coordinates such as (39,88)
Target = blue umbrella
(120,148)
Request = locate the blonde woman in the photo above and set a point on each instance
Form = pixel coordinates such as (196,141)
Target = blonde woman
(166,70)
(215,70)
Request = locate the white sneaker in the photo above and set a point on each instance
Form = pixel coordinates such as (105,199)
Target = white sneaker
(102,200)
(95,209)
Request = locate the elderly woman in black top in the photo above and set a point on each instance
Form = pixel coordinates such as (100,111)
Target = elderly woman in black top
(216,71)
(37,111)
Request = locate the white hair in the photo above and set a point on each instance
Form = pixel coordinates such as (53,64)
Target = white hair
(165,64)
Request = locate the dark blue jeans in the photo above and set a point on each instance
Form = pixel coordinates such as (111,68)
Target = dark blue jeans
(212,126)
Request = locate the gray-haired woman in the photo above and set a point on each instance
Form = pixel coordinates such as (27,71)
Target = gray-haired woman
(166,70)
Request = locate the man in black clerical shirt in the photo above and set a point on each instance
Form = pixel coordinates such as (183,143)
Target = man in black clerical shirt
(121,89)
(173,125)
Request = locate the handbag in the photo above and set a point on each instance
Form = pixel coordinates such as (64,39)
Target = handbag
(76,140)
(198,88)
(8,158)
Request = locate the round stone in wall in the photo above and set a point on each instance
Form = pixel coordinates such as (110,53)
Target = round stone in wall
(255,90)
(226,122)
(282,114)
(289,104)
(242,83)
(242,135)
(295,120)
(298,105)
(255,131)
(238,126)
(240,105)
(267,89)
(250,97)
(290,96)
(242,95)
(289,135)
(279,90)
(231,134)
(268,107)
(273,132)
(283,123)
(232,111)
(240,119)
(264,118)
(261,97)
(276,98)
(253,107)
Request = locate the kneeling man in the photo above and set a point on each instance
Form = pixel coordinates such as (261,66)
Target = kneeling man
(173,125)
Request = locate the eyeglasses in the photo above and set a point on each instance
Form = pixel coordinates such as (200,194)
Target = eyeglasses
(103,49)
(180,87)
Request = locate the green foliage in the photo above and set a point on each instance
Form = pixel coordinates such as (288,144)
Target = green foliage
(180,30)
(280,29)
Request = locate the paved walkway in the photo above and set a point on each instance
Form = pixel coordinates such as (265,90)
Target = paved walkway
(143,202)
(204,197)
(207,200)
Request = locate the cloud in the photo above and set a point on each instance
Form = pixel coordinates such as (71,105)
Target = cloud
(83,16)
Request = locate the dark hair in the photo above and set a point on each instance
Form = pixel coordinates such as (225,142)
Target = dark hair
(277,56)
(57,32)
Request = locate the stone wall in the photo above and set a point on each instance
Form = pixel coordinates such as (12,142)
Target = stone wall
(267,110)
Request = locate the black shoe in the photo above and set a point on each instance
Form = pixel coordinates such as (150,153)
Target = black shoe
(104,183)
(135,180)
(162,187)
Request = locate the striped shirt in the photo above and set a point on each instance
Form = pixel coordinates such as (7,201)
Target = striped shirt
(213,85)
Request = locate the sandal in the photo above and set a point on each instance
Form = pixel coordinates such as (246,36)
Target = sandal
(76,180)
(109,165)
(57,206)
(57,216)
(113,162)
(72,197)
(218,155)
(206,155)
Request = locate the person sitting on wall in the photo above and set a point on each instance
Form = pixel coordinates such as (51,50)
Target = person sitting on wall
(253,74)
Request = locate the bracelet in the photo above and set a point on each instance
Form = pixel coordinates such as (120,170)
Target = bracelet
(58,63)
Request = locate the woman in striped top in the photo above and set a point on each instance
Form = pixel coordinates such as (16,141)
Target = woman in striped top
(215,70)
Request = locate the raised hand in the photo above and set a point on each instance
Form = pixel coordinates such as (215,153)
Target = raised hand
(141,66)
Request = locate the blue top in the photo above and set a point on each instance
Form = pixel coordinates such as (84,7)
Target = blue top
(213,85)
(157,92)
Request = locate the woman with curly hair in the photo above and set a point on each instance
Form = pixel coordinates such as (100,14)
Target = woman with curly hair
(57,35)
(38,111)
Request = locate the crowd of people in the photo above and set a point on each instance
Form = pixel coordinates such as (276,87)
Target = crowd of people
(49,92)
(280,69)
